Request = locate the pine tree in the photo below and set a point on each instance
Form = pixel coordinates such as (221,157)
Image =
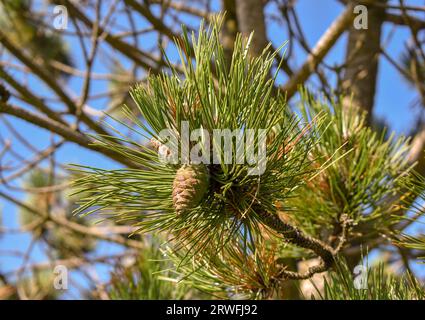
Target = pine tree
(329,181)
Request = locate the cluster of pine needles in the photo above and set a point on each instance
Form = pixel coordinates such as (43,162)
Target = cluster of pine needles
(327,175)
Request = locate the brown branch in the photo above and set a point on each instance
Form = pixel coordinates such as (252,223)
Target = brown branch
(295,236)
(36,69)
(63,131)
(156,23)
(72,263)
(186,8)
(416,23)
(32,164)
(4,93)
(76,227)
(50,81)
(322,47)
(29,97)
(128,50)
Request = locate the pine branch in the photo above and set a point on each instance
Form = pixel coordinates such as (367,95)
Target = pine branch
(295,236)
(377,283)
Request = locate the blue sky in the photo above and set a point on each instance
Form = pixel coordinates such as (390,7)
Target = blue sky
(394,96)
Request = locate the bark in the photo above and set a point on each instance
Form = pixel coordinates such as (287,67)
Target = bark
(230,28)
(362,58)
(250,16)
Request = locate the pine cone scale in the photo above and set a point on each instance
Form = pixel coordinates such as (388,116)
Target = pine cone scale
(189,187)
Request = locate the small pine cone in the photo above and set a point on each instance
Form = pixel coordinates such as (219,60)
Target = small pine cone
(189,186)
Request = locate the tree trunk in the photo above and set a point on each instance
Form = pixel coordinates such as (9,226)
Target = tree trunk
(362,58)
(250,15)
(230,28)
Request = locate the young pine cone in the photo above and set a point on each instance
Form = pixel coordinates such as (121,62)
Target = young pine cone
(189,186)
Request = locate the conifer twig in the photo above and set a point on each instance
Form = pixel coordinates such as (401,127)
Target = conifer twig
(295,236)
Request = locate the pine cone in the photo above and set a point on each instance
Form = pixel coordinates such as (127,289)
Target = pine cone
(189,186)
